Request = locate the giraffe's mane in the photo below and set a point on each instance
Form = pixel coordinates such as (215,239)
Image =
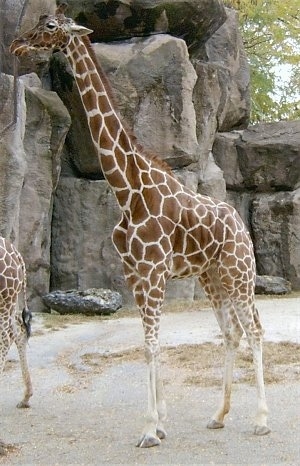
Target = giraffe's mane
(154,158)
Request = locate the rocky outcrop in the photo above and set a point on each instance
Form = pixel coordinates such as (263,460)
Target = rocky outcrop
(275,222)
(266,284)
(111,20)
(153,80)
(89,302)
(263,162)
(263,158)
(30,168)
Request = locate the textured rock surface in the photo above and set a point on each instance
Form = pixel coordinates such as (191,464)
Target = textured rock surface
(195,20)
(223,91)
(264,162)
(153,80)
(30,167)
(275,224)
(89,302)
(262,158)
(265,284)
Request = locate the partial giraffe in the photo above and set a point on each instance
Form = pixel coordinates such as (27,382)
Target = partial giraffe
(15,326)
(166,230)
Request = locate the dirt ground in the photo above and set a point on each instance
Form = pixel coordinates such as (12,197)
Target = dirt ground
(90,392)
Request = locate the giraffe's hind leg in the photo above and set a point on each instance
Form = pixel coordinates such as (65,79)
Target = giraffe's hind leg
(232,333)
(250,321)
(21,341)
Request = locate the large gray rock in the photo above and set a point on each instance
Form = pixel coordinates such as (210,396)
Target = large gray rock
(272,285)
(222,92)
(264,157)
(83,255)
(153,80)
(89,302)
(275,226)
(13,159)
(194,20)
(30,167)
(261,166)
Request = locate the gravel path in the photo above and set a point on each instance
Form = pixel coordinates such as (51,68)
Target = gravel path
(91,414)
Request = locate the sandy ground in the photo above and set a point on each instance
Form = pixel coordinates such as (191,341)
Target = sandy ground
(90,390)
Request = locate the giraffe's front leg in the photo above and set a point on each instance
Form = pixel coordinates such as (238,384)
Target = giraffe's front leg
(149,302)
(149,294)
(153,431)
(261,427)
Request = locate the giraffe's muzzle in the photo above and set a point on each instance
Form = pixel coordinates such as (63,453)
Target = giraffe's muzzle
(19,47)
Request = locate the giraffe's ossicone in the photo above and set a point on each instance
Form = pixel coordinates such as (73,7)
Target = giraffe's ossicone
(166,230)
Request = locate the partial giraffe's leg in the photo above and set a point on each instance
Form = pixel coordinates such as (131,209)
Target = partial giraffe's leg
(149,294)
(5,343)
(250,321)
(239,281)
(232,333)
(21,341)
(149,300)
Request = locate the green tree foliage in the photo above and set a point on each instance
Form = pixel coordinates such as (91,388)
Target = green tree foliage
(271,35)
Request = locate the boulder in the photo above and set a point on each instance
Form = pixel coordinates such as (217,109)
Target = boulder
(29,171)
(222,92)
(275,225)
(89,302)
(272,285)
(226,157)
(193,20)
(13,158)
(262,158)
(153,80)
(83,256)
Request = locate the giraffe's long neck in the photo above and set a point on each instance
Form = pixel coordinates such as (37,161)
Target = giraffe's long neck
(114,146)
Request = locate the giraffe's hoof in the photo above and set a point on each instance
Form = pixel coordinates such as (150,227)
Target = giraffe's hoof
(261,430)
(161,433)
(147,441)
(213,424)
(23,404)
(6,448)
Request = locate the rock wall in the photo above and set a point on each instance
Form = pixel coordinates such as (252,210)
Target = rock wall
(263,163)
(30,166)
(183,88)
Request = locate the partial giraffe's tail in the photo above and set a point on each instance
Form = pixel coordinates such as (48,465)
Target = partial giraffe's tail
(26,313)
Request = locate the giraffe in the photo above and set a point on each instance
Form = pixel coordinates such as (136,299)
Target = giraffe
(15,326)
(166,230)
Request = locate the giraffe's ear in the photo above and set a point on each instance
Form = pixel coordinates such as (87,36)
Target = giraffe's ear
(80,30)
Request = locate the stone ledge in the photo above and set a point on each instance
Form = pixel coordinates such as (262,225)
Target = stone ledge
(266,284)
(94,301)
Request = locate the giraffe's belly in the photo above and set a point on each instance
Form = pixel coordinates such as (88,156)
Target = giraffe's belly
(184,267)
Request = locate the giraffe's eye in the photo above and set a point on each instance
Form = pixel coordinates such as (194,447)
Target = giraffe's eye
(51,25)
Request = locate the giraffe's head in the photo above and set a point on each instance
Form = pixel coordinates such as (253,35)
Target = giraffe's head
(52,32)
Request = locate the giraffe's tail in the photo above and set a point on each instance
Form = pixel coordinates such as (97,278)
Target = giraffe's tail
(26,313)
(27,317)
